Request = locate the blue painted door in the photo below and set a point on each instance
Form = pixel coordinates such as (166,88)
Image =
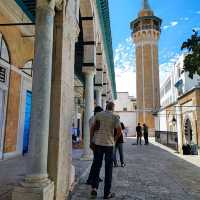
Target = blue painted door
(27,121)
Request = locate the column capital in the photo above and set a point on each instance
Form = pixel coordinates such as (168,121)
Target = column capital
(44,10)
(99,88)
(59,4)
(89,70)
(46,3)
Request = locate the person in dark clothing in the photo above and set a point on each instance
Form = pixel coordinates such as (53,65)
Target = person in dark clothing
(119,147)
(145,134)
(92,170)
(139,133)
(122,126)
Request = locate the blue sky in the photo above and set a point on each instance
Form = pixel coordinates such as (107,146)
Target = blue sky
(179,17)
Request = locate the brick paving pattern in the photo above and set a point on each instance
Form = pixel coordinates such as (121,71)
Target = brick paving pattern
(151,173)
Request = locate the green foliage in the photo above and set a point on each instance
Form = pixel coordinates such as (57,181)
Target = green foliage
(192,60)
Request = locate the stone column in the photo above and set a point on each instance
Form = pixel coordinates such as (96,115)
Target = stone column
(37,186)
(98,96)
(104,102)
(62,100)
(89,108)
(76,109)
(179,128)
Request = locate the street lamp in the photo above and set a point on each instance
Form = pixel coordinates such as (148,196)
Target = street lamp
(174,120)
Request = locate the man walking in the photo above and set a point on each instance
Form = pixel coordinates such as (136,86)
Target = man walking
(92,169)
(139,133)
(102,133)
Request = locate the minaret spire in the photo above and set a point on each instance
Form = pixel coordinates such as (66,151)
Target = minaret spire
(146,5)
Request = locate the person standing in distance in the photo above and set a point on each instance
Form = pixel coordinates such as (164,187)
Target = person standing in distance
(139,133)
(145,134)
(102,133)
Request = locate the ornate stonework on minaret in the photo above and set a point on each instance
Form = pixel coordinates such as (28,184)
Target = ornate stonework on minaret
(146,33)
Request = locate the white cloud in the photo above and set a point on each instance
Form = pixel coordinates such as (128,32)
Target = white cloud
(165,27)
(198,12)
(166,66)
(124,60)
(170,25)
(174,23)
(184,18)
(196,28)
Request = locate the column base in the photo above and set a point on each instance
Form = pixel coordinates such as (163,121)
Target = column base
(72,178)
(28,191)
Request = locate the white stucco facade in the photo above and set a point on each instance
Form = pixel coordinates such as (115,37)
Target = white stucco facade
(177,83)
(125,107)
(178,113)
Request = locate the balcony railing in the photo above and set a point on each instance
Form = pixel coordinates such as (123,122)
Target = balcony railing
(146,27)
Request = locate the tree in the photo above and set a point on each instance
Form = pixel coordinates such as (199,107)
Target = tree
(192,60)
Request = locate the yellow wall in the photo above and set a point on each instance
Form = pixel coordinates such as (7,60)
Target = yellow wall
(21,50)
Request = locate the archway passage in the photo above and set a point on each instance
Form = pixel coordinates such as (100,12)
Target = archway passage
(188,131)
(79,83)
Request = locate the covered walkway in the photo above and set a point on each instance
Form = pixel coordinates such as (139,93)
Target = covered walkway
(151,173)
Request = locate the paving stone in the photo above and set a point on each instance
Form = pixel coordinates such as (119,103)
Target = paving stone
(12,171)
(151,173)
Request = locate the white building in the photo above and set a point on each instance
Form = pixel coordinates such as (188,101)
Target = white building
(125,107)
(179,105)
(177,83)
(183,82)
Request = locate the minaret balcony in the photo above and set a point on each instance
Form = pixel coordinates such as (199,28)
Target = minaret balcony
(146,27)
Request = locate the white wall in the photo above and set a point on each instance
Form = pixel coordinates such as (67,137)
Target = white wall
(129,120)
(162,126)
(124,101)
(188,83)
(171,95)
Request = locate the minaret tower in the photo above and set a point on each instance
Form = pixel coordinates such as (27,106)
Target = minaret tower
(146,33)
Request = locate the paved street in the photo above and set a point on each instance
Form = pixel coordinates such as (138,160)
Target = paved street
(151,173)
(11,172)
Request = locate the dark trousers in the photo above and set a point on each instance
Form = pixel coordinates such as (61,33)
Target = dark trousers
(119,147)
(92,171)
(139,138)
(146,140)
(99,152)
